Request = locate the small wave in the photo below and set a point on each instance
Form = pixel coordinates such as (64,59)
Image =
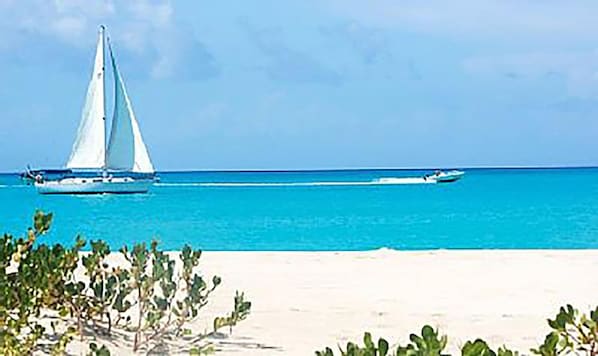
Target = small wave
(380,181)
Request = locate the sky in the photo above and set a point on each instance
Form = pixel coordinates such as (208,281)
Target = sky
(311,84)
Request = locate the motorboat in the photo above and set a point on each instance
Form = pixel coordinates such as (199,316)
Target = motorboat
(445,177)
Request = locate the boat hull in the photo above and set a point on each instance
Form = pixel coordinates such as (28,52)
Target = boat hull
(94,186)
(448,180)
(448,177)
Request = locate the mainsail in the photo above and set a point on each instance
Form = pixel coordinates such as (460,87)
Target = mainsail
(89,148)
(126,150)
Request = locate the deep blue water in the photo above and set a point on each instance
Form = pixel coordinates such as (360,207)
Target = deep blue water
(488,208)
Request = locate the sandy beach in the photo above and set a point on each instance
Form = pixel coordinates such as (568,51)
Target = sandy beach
(304,301)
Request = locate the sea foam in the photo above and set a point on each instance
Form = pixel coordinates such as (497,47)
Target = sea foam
(380,181)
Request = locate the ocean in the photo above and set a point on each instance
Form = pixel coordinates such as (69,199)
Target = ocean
(327,210)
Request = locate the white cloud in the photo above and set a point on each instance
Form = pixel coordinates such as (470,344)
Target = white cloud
(67,20)
(158,14)
(508,19)
(517,39)
(142,26)
(69,27)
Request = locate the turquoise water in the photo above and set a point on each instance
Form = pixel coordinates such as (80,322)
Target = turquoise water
(328,210)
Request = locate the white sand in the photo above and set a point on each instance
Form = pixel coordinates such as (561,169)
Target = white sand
(304,301)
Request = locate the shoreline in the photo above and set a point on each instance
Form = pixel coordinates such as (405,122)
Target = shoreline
(305,301)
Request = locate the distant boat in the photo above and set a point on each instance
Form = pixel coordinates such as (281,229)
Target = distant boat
(445,177)
(121,165)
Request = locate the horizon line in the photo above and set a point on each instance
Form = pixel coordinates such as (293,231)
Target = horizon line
(348,169)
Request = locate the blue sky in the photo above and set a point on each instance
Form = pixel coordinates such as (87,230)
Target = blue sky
(311,84)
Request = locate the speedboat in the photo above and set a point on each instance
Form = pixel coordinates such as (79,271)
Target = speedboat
(445,177)
(96,165)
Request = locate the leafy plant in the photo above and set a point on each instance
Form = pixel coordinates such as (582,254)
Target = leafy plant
(479,347)
(37,279)
(94,350)
(352,349)
(202,350)
(59,347)
(572,333)
(549,347)
(195,290)
(428,344)
(240,311)
(166,302)
(31,278)
(101,283)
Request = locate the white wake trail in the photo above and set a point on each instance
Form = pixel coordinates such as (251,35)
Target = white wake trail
(380,181)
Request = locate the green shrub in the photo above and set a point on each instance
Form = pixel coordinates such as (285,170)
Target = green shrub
(479,347)
(95,350)
(369,348)
(428,344)
(36,278)
(166,302)
(240,312)
(573,333)
(32,278)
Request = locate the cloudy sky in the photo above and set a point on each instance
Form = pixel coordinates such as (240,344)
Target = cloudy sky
(311,83)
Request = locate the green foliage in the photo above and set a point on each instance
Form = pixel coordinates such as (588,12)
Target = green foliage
(240,311)
(31,278)
(326,352)
(59,347)
(504,351)
(36,278)
(352,349)
(549,347)
(94,350)
(428,344)
(572,332)
(202,350)
(479,347)
(166,301)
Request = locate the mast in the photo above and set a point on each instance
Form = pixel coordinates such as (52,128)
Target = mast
(102,35)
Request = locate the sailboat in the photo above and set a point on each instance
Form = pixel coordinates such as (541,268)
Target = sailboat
(120,164)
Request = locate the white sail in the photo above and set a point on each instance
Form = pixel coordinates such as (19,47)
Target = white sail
(126,150)
(89,147)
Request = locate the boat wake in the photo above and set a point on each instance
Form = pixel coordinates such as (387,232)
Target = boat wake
(379,181)
(407,180)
